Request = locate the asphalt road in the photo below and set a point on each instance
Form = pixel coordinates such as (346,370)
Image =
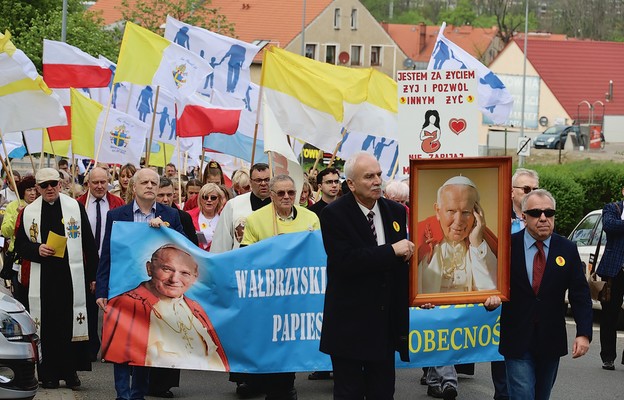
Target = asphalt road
(581,378)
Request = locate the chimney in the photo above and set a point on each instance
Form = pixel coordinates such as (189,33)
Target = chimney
(422,39)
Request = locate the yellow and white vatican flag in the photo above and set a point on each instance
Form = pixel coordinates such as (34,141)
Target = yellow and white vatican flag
(148,59)
(26,102)
(314,101)
(122,136)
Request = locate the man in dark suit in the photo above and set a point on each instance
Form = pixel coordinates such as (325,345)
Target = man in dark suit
(143,208)
(366,315)
(533,329)
(97,201)
(610,267)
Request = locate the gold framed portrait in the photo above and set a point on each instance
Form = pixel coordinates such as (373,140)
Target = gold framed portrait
(460,223)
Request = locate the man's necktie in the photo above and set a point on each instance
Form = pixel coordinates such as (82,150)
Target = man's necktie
(539,264)
(372,224)
(98,223)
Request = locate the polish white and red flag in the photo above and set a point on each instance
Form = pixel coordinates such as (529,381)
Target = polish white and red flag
(198,117)
(66,66)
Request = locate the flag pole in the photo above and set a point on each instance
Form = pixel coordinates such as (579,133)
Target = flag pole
(201,163)
(148,151)
(108,107)
(41,155)
(179,172)
(7,166)
(32,162)
(258,107)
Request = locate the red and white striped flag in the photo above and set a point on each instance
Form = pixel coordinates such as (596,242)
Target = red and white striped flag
(197,117)
(66,66)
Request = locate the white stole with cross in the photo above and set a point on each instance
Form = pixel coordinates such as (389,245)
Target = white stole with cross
(72,222)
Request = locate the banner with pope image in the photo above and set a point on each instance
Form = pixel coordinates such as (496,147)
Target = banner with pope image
(254,309)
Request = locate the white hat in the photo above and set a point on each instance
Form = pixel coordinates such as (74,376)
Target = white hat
(459,180)
(46,175)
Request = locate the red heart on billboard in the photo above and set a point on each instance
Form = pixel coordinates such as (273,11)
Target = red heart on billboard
(457,125)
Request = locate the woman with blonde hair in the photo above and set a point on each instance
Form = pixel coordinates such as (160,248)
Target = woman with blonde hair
(121,188)
(211,200)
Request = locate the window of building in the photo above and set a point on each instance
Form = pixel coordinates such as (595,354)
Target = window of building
(310,51)
(356,55)
(330,54)
(354,14)
(337,18)
(375,57)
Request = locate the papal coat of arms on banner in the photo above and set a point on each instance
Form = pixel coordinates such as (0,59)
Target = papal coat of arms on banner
(179,75)
(73,230)
(119,137)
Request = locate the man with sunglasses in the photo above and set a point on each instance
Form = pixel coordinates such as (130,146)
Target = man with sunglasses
(229,233)
(283,215)
(544,265)
(328,181)
(523,182)
(59,278)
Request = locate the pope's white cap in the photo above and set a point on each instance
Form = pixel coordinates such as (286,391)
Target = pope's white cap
(460,180)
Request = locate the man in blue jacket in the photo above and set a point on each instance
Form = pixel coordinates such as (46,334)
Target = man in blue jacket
(144,209)
(611,268)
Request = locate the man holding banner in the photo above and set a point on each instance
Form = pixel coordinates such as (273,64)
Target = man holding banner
(366,312)
(280,217)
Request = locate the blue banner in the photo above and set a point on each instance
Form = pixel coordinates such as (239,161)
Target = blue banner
(265,303)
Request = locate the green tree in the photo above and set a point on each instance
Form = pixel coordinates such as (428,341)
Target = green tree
(462,14)
(151,14)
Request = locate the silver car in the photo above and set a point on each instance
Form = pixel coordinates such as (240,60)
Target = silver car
(19,349)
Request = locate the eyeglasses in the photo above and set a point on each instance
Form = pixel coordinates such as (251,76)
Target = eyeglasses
(260,180)
(526,189)
(332,182)
(44,185)
(536,212)
(212,197)
(282,193)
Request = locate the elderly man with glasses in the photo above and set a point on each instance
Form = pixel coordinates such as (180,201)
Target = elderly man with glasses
(281,216)
(60,276)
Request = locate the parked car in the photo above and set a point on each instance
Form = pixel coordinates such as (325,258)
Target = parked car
(555,137)
(19,349)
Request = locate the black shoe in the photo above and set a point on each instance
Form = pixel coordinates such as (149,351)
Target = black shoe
(449,393)
(319,375)
(165,394)
(50,384)
(290,395)
(608,365)
(245,391)
(434,391)
(72,381)
(423,379)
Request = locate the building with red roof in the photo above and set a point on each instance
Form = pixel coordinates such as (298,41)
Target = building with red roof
(568,81)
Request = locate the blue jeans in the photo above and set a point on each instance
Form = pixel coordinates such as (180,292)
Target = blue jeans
(140,381)
(531,378)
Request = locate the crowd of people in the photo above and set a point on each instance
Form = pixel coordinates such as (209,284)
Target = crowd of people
(364,225)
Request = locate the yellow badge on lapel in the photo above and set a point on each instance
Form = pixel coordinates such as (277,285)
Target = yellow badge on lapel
(396,226)
(560,261)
